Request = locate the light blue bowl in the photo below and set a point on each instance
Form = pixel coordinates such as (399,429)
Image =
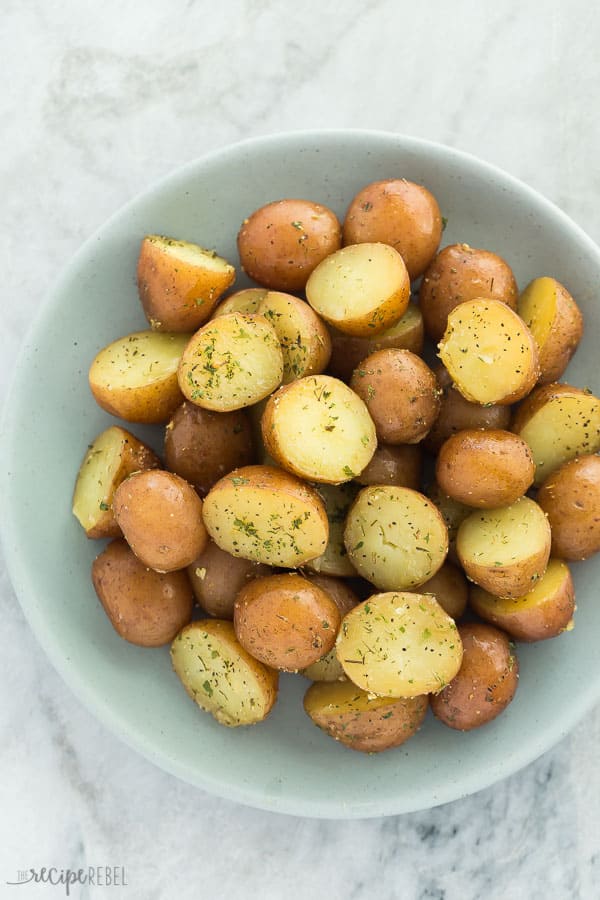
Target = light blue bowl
(284,764)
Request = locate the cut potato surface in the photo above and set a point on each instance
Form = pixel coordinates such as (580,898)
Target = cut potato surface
(222,677)
(319,429)
(304,339)
(135,377)
(399,644)
(338,499)
(555,322)
(362,289)
(267,515)
(395,537)
(245,301)
(232,362)
(489,352)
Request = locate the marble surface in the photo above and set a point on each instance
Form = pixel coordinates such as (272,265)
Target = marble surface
(98,101)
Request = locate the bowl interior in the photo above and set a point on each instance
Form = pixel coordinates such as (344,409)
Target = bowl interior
(285,763)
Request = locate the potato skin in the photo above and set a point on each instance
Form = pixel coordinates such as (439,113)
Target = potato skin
(485,469)
(201,445)
(245,301)
(328,667)
(450,589)
(160,516)
(486,681)
(281,243)
(565,332)
(216,577)
(360,720)
(570,497)
(458,273)
(145,607)
(401,394)
(399,464)
(285,621)
(400,213)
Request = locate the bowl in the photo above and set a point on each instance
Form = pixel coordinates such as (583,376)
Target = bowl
(284,764)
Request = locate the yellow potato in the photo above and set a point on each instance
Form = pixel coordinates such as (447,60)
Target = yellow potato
(304,339)
(337,499)
(328,667)
(244,301)
(570,497)
(555,322)
(217,576)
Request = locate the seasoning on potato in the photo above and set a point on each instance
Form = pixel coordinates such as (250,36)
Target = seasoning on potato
(244,301)
(337,499)
(216,577)
(450,589)
(570,497)
(304,338)
(399,464)
(556,323)
(328,666)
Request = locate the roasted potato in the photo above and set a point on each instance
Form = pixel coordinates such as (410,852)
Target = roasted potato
(399,464)
(460,273)
(217,576)
(244,301)
(328,667)
(285,621)
(399,645)
(267,515)
(160,516)
(400,213)
(401,394)
(337,499)
(110,458)
(361,290)
(570,497)
(180,283)
(145,607)
(281,243)
(135,377)
(450,589)
(304,339)
(545,611)
(222,677)
(486,681)
(363,721)
(555,322)
(505,550)
(319,429)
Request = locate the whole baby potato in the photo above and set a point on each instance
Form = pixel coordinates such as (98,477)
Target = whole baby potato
(450,589)
(486,681)
(160,516)
(399,464)
(145,607)
(570,497)
(281,243)
(217,576)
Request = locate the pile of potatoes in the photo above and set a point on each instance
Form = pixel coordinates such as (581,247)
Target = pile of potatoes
(289,510)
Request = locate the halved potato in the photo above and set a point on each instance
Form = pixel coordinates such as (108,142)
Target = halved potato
(545,611)
(559,422)
(135,377)
(179,283)
(489,352)
(450,589)
(232,362)
(505,550)
(222,677)
(217,576)
(399,464)
(328,667)
(395,537)
(244,301)
(304,338)
(337,499)
(362,289)
(319,429)
(361,720)
(555,322)
(266,514)
(399,644)
(111,457)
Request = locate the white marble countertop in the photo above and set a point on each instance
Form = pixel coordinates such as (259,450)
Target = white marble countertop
(98,101)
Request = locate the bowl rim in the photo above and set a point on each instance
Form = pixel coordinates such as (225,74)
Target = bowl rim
(18,571)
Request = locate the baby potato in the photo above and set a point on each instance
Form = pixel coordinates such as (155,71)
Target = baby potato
(460,273)
(485,469)
(145,607)
(505,550)
(304,339)
(486,682)
(451,511)
(544,612)
(450,589)
(135,377)
(489,352)
(361,720)
(555,322)
(231,362)
(267,515)
(319,429)
(361,290)
(202,446)
(220,676)
(160,516)
(244,301)
(399,644)
(559,422)
(110,458)
(179,283)
(401,394)
(400,213)
(399,464)
(337,499)
(347,352)
(395,537)
(217,576)
(457,414)
(285,621)
(328,667)
(281,243)
(570,497)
